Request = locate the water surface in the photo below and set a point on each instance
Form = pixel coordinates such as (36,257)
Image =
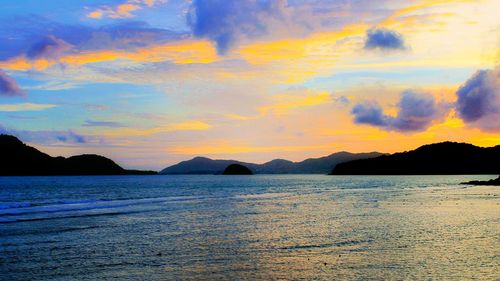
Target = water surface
(248,227)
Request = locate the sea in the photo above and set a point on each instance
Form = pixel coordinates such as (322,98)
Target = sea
(261,227)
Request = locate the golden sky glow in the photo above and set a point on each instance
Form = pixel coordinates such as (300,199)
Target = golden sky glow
(163,80)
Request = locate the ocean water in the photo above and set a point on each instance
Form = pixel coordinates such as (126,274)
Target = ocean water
(263,227)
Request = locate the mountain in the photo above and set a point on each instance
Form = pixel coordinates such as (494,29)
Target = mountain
(323,165)
(432,159)
(19,159)
(201,165)
(237,169)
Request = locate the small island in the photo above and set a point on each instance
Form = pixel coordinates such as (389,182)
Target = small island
(237,169)
(489,182)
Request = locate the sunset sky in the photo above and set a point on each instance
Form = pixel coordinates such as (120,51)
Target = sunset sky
(150,83)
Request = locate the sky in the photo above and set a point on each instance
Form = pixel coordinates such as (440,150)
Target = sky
(150,83)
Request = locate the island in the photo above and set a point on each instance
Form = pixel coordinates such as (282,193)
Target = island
(19,159)
(237,169)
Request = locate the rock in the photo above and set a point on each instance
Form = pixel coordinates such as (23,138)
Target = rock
(490,182)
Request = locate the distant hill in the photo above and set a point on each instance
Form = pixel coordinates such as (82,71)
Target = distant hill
(446,158)
(19,159)
(201,166)
(323,165)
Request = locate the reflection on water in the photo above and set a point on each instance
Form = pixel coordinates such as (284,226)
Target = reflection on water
(248,227)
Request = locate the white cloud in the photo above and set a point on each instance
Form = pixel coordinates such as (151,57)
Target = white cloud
(25,107)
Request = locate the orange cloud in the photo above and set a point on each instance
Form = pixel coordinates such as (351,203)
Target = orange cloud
(22,64)
(226,148)
(297,59)
(281,61)
(25,107)
(120,11)
(424,4)
(149,3)
(97,14)
(182,52)
(193,125)
(286,102)
(318,45)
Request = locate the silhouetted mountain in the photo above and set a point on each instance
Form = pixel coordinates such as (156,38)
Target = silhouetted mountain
(489,182)
(323,165)
(433,159)
(21,160)
(200,165)
(276,166)
(237,169)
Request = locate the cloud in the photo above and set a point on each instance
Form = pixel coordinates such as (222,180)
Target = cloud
(53,85)
(416,112)
(383,39)
(25,107)
(342,100)
(228,22)
(21,117)
(92,123)
(9,86)
(24,33)
(180,52)
(478,100)
(95,107)
(71,137)
(48,137)
(49,47)
(223,147)
(123,10)
(127,35)
(192,125)
(294,99)
(370,113)
(38,38)
(288,101)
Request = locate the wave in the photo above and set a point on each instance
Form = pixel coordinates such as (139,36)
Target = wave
(80,201)
(345,243)
(263,195)
(84,205)
(13,205)
(4,220)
